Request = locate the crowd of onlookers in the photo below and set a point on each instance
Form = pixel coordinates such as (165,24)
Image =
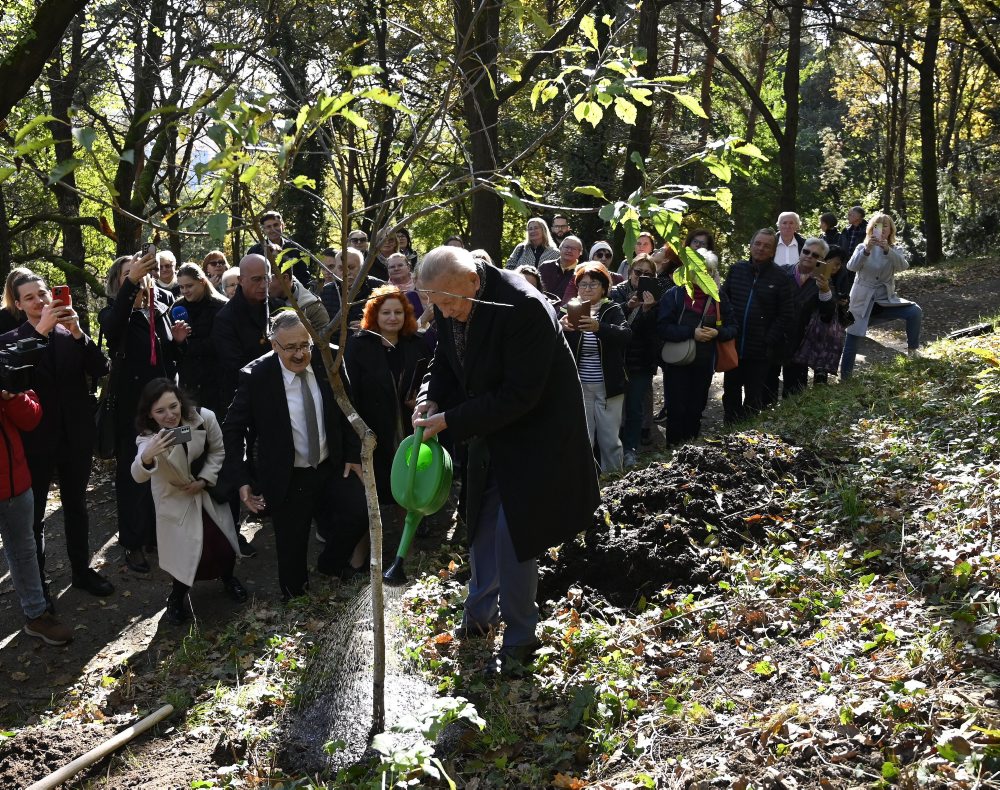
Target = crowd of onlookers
(221,406)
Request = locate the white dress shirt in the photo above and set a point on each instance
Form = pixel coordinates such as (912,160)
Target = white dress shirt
(787,254)
(297,414)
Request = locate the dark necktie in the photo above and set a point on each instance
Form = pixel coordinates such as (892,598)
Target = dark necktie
(312,426)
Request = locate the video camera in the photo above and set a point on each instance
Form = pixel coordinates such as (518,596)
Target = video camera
(16,362)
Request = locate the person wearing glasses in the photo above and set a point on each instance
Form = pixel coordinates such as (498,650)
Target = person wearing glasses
(598,342)
(643,350)
(290,449)
(358,240)
(558,276)
(601,253)
(560,228)
(537,247)
(812,295)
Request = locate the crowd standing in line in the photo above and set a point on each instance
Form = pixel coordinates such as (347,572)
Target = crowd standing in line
(223,405)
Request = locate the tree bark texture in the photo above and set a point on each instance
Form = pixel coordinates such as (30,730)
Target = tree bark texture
(928,135)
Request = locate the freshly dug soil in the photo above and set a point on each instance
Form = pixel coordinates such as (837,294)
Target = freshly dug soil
(32,755)
(665,524)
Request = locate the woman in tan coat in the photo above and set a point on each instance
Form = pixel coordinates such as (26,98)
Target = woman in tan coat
(180,452)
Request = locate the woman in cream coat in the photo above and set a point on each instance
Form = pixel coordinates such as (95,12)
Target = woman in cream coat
(875,263)
(195,535)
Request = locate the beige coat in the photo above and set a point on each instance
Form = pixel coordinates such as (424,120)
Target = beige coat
(178,515)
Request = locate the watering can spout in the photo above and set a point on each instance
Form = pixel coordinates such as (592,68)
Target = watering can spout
(395,576)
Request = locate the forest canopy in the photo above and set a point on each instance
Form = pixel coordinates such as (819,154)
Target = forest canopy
(184,120)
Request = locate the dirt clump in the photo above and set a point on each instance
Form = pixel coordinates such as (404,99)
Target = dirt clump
(665,524)
(33,754)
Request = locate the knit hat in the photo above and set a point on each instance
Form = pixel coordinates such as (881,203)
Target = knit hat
(600,245)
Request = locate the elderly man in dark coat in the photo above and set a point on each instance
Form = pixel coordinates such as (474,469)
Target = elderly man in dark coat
(503,379)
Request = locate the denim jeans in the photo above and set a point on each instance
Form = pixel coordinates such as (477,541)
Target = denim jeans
(16,517)
(910,313)
(635,398)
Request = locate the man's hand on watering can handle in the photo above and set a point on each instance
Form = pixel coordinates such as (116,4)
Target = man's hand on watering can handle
(429,418)
(356,468)
(254,502)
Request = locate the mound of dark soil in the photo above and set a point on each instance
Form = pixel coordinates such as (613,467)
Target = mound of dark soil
(664,524)
(33,754)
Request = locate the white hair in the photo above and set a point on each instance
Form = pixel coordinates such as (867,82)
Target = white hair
(442,261)
(816,241)
(791,214)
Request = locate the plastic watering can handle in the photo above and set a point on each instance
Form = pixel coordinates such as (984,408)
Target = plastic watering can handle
(418,437)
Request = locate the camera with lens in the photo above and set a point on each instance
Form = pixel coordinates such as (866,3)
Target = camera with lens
(16,362)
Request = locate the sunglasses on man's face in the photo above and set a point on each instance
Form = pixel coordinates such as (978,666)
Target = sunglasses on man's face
(812,254)
(602,254)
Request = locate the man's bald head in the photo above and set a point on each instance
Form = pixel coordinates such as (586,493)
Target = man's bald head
(255,274)
(450,276)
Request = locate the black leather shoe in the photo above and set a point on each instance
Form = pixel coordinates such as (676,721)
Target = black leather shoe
(235,589)
(350,573)
(91,581)
(516,660)
(176,612)
(246,550)
(472,631)
(136,560)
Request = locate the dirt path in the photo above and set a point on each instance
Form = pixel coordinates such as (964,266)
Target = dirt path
(126,627)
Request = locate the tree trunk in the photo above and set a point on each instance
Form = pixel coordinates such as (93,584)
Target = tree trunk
(5,262)
(788,200)
(481,110)
(928,135)
(25,61)
(899,180)
(758,77)
(706,78)
(62,90)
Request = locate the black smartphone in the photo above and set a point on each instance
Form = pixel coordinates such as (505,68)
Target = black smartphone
(650,284)
(147,249)
(179,435)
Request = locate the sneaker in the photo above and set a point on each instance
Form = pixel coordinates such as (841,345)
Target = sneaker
(913,353)
(49,630)
(631,459)
(661,416)
(91,581)
(246,550)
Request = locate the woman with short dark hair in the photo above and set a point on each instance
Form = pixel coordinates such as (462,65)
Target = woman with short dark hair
(598,339)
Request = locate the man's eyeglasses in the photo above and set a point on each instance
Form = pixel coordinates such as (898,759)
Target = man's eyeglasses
(812,254)
(356,240)
(295,348)
(602,254)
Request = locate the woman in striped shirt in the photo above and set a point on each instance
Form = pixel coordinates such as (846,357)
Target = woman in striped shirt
(598,341)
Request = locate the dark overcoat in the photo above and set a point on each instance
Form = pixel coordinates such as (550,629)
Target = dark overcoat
(519,394)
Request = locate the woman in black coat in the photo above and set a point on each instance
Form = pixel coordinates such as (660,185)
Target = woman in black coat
(139,356)
(386,361)
(198,368)
(62,445)
(700,318)
(643,351)
(598,342)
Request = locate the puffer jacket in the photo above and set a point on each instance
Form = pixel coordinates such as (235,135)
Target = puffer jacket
(613,336)
(642,353)
(763,301)
(23,412)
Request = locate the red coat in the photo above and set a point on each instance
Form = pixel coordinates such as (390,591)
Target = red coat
(23,412)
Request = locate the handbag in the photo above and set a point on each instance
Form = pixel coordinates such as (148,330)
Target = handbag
(105,441)
(821,346)
(726,357)
(683,352)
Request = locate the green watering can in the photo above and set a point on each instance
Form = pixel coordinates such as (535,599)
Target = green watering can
(421,488)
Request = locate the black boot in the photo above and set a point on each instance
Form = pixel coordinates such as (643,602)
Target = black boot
(177,611)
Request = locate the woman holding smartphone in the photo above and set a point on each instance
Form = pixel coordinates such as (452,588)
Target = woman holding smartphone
(180,453)
(63,443)
(875,263)
(145,344)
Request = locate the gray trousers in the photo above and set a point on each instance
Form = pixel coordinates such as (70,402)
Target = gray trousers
(501,587)
(16,517)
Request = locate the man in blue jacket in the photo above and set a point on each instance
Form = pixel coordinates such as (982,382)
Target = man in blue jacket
(763,300)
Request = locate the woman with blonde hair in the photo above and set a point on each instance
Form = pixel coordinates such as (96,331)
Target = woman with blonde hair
(873,300)
(537,247)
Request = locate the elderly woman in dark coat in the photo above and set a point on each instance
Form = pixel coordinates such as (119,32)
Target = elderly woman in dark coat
(504,380)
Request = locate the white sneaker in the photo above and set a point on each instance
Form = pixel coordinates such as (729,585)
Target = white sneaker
(631,459)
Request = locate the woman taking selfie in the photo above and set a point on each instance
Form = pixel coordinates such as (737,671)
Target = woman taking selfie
(145,343)
(62,445)
(180,453)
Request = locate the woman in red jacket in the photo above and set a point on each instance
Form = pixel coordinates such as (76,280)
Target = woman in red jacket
(22,412)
